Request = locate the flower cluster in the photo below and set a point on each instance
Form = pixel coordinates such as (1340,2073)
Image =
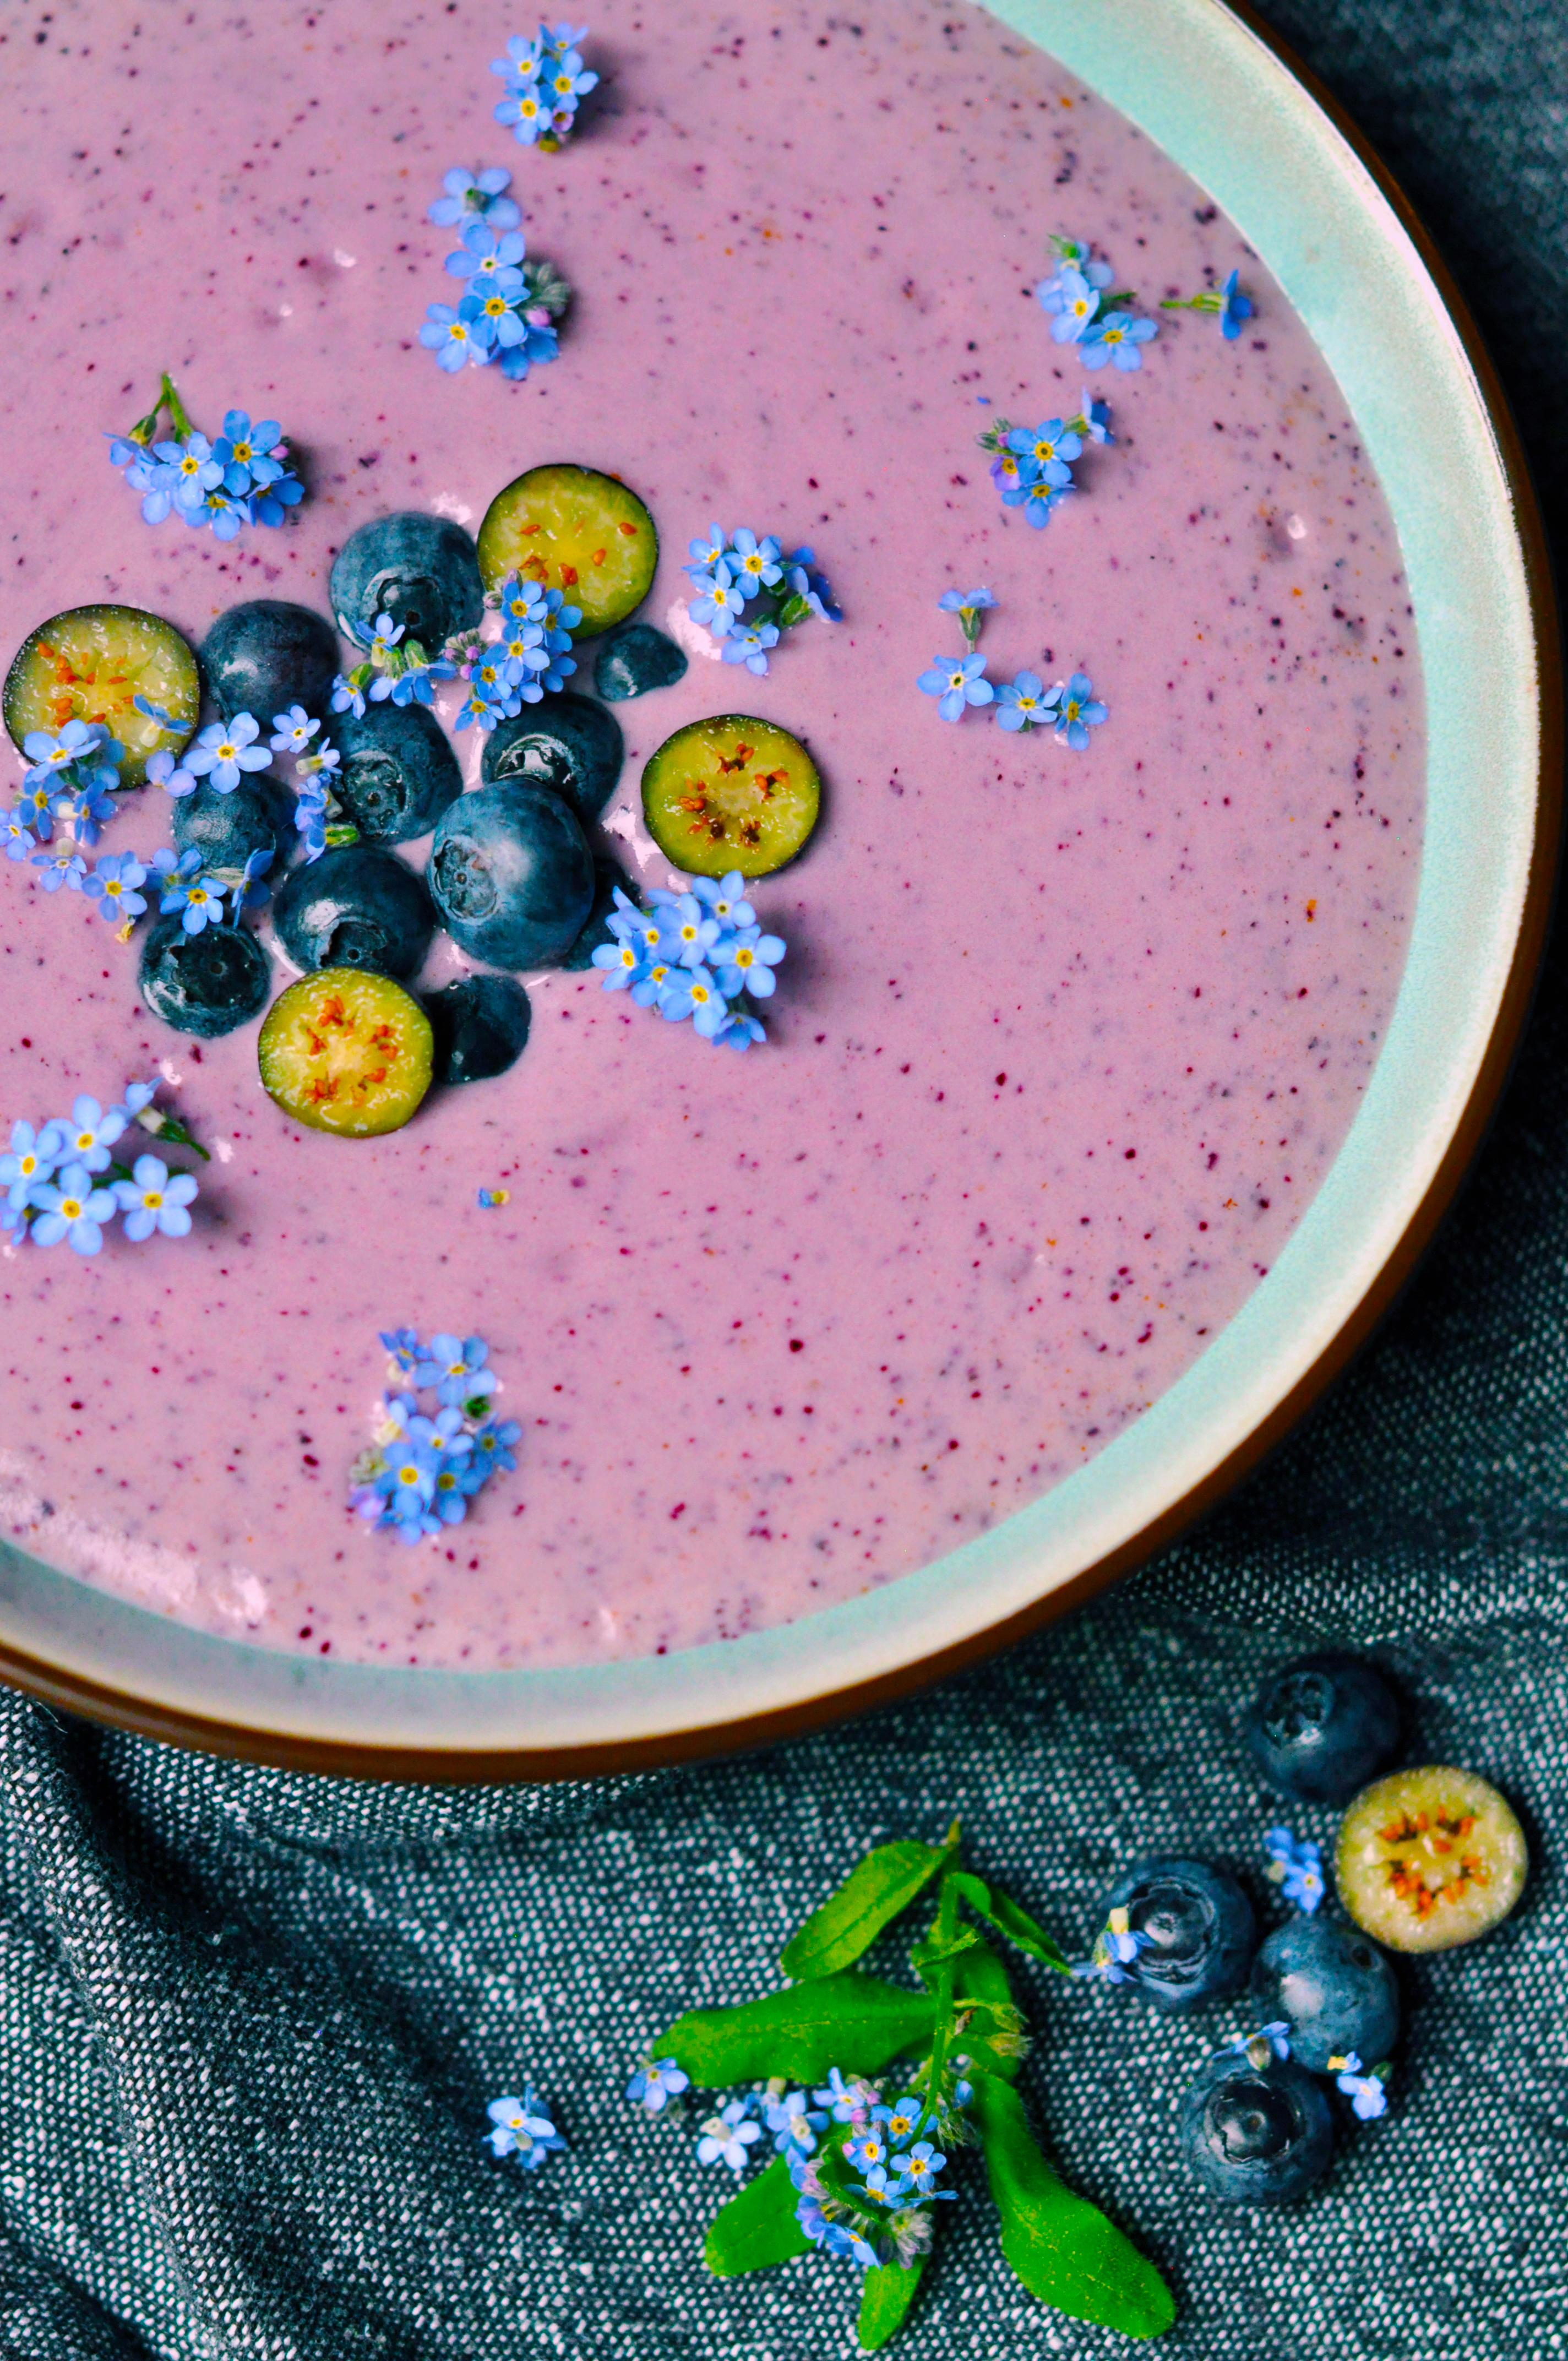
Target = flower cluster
(61,1183)
(1070,709)
(393,668)
(867,2197)
(531,654)
(1260,2048)
(424,1468)
(243,477)
(71,776)
(1227,302)
(1030,466)
(1296,1866)
(1079,301)
(546,84)
(748,592)
(879,2210)
(1367,2092)
(69,786)
(509,305)
(520,2127)
(697,953)
(1116,1947)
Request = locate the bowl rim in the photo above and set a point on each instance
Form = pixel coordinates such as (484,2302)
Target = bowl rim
(176,1720)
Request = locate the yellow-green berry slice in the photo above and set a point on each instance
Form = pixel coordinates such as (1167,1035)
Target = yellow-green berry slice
(1429,1858)
(90,663)
(347,1051)
(732,793)
(575,530)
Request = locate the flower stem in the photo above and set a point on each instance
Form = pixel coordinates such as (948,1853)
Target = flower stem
(176,407)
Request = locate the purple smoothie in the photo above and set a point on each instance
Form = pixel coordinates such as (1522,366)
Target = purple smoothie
(1064,1042)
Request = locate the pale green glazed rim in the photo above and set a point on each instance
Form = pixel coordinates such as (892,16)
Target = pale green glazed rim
(1211,93)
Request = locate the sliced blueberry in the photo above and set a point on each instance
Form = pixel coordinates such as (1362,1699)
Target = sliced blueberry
(481,1026)
(205,983)
(257,816)
(607,876)
(511,876)
(356,906)
(1335,1989)
(1254,2134)
(267,654)
(1198,1926)
(419,569)
(399,772)
(1321,1727)
(566,744)
(630,662)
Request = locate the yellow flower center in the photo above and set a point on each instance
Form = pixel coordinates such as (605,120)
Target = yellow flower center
(71,1208)
(153,1199)
(743,957)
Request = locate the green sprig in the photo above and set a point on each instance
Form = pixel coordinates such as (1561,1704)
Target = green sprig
(964,2025)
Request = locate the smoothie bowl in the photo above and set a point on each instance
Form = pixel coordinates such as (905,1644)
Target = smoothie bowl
(1144,840)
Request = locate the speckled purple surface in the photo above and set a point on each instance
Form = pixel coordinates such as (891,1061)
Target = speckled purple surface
(1064,1043)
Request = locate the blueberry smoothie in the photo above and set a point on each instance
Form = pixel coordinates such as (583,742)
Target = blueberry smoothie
(1066,1036)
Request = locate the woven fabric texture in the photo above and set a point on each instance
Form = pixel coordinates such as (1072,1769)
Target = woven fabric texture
(249,2021)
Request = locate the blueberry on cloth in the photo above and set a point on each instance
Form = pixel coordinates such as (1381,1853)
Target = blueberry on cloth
(356,906)
(267,654)
(1333,1986)
(258,816)
(566,744)
(204,985)
(1199,1930)
(481,1026)
(1254,2134)
(1321,1727)
(419,569)
(511,875)
(630,662)
(399,772)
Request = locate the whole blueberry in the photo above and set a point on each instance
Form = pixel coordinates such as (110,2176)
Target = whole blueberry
(511,876)
(607,876)
(267,654)
(258,815)
(566,744)
(1322,1727)
(481,1026)
(419,569)
(630,662)
(1200,1929)
(1254,2134)
(205,983)
(356,907)
(1335,1989)
(399,772)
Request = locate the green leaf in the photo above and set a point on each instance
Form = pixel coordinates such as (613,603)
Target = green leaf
(757,2227)
(932,1954)
(872,1895)
(1010,1919)
(794,610)
(887,2291)
(850,2021)
(1060,2246)
(983,1977)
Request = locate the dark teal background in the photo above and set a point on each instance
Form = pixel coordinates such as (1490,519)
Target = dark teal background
(249,2023)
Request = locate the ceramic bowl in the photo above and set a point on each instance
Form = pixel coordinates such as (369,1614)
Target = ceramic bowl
(1214,91)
